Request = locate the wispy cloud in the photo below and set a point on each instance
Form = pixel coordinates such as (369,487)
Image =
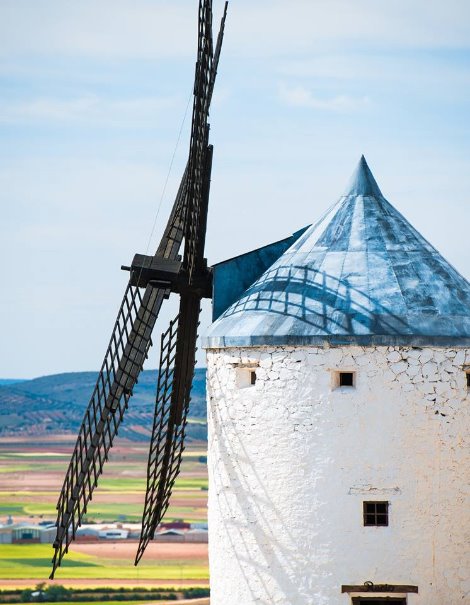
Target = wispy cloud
(299,96)
(87,109)
(119,28)
(109,28)
(395,68)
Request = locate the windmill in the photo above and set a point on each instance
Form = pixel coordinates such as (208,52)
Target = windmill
(152,280)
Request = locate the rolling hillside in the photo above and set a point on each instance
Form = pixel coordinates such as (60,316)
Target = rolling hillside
(55,404)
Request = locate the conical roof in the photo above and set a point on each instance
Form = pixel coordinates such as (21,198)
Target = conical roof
(362,274)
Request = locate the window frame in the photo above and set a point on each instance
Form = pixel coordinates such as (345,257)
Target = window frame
(375,513)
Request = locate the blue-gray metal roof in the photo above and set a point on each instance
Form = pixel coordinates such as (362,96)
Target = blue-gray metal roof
(362,274)
(233,276)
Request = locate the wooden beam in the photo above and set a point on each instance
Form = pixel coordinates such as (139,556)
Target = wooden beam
(370,587)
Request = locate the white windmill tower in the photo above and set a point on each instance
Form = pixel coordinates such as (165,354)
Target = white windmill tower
(338,416)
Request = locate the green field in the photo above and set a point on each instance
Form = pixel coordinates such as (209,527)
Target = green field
(30,481)
(18,561)
(23,463)
(129,485)
(104,511)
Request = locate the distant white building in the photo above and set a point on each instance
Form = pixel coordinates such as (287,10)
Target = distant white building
(17,533)
(114,534)
(197,535)
(170,535)
(88,532)
(109,531)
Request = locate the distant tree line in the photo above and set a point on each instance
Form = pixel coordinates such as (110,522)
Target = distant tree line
(44,593)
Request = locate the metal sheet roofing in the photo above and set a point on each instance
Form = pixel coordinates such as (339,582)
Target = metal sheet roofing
(362,274)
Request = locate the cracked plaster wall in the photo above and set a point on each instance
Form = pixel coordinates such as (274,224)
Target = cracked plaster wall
(291,460)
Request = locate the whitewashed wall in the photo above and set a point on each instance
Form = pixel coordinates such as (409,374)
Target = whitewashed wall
(291,460)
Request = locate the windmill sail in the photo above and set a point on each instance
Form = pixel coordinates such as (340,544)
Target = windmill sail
(172,403)
(131,338)
(173,398)
(124,359)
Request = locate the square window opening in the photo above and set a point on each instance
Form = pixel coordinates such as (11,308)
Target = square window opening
(343,379)
(246,376)
(346,379)
(467,374)
(375,514)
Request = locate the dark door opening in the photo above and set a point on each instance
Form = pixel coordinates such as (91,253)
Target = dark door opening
(378,600)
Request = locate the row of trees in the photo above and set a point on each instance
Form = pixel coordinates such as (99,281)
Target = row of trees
(44,593)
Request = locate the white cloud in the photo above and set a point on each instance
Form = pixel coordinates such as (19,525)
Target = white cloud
(164,28)
(299,96)
(88,109)
(422,69)
(108,28)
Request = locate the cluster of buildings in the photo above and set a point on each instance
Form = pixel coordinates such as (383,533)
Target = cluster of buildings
(27,533)
(44,532)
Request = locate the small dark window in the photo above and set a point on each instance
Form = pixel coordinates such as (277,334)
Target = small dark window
(468,380)
(346,379)
(252,377)
(375,513)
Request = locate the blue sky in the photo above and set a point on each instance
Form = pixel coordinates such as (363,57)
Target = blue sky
(93,97)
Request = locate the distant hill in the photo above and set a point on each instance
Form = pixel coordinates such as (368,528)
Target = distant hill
(56,404)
